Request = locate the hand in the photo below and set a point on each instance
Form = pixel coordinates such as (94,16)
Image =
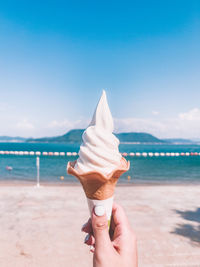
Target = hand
(117,249)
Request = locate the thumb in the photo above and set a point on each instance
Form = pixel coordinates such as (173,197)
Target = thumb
(100,229)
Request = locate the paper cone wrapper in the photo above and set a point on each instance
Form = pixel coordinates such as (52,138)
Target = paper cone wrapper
(99,189)
(107,203)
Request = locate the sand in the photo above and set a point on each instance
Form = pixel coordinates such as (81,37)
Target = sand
(41,226)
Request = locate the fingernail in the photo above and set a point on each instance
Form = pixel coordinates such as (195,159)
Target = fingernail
(91,248)
(99,210)
(87,238)
(83,226)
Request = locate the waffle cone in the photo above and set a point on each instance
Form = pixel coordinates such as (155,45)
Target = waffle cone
(95,184)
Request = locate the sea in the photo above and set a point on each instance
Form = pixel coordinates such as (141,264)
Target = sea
(143,170)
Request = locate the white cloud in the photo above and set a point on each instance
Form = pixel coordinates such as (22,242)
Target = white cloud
(184,125)
(67,124)
(139,125)
(154,112)
(26,128)
(5,107)
(57,127)
(60,124)
(25,125)
(191,115)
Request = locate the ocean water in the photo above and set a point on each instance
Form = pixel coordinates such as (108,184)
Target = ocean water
(180,169)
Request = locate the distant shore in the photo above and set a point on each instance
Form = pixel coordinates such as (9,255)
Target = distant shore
(76,183)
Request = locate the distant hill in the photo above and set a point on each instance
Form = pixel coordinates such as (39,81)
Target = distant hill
(75,136)
(12,139)
(138,138)
(196,140)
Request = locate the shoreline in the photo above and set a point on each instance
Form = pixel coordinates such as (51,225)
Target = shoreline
(77,184)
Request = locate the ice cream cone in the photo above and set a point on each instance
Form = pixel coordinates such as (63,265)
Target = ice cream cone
(99,189)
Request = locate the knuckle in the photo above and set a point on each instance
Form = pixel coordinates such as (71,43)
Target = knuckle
(101,225)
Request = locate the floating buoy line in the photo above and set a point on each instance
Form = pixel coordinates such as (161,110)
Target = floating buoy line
(71,154)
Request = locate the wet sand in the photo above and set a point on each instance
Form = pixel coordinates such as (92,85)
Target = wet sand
(41,226)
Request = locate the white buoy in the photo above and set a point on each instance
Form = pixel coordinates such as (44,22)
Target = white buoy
(9,168)
(138,154)
(144,154)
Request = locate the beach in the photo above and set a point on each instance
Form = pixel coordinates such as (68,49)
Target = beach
(41,226)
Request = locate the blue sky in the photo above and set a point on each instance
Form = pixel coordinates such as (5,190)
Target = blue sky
(57,56)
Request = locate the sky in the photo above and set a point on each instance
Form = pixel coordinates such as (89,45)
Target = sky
(56,57)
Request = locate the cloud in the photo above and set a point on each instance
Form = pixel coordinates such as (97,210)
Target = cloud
(67,124)
(5,107)
(191,115)
(139,125)
(57,127)
(183,125)
(60,124)
(26,128)
(154,112)
(25,125)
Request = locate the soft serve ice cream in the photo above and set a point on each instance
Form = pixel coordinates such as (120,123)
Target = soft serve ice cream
(99,150)
(100,164)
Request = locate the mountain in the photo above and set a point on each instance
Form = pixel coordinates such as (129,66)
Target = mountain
(12,139)
(196,140)
(138,138)
(75,136)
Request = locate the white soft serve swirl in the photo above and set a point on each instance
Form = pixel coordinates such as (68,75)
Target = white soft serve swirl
(99,149)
